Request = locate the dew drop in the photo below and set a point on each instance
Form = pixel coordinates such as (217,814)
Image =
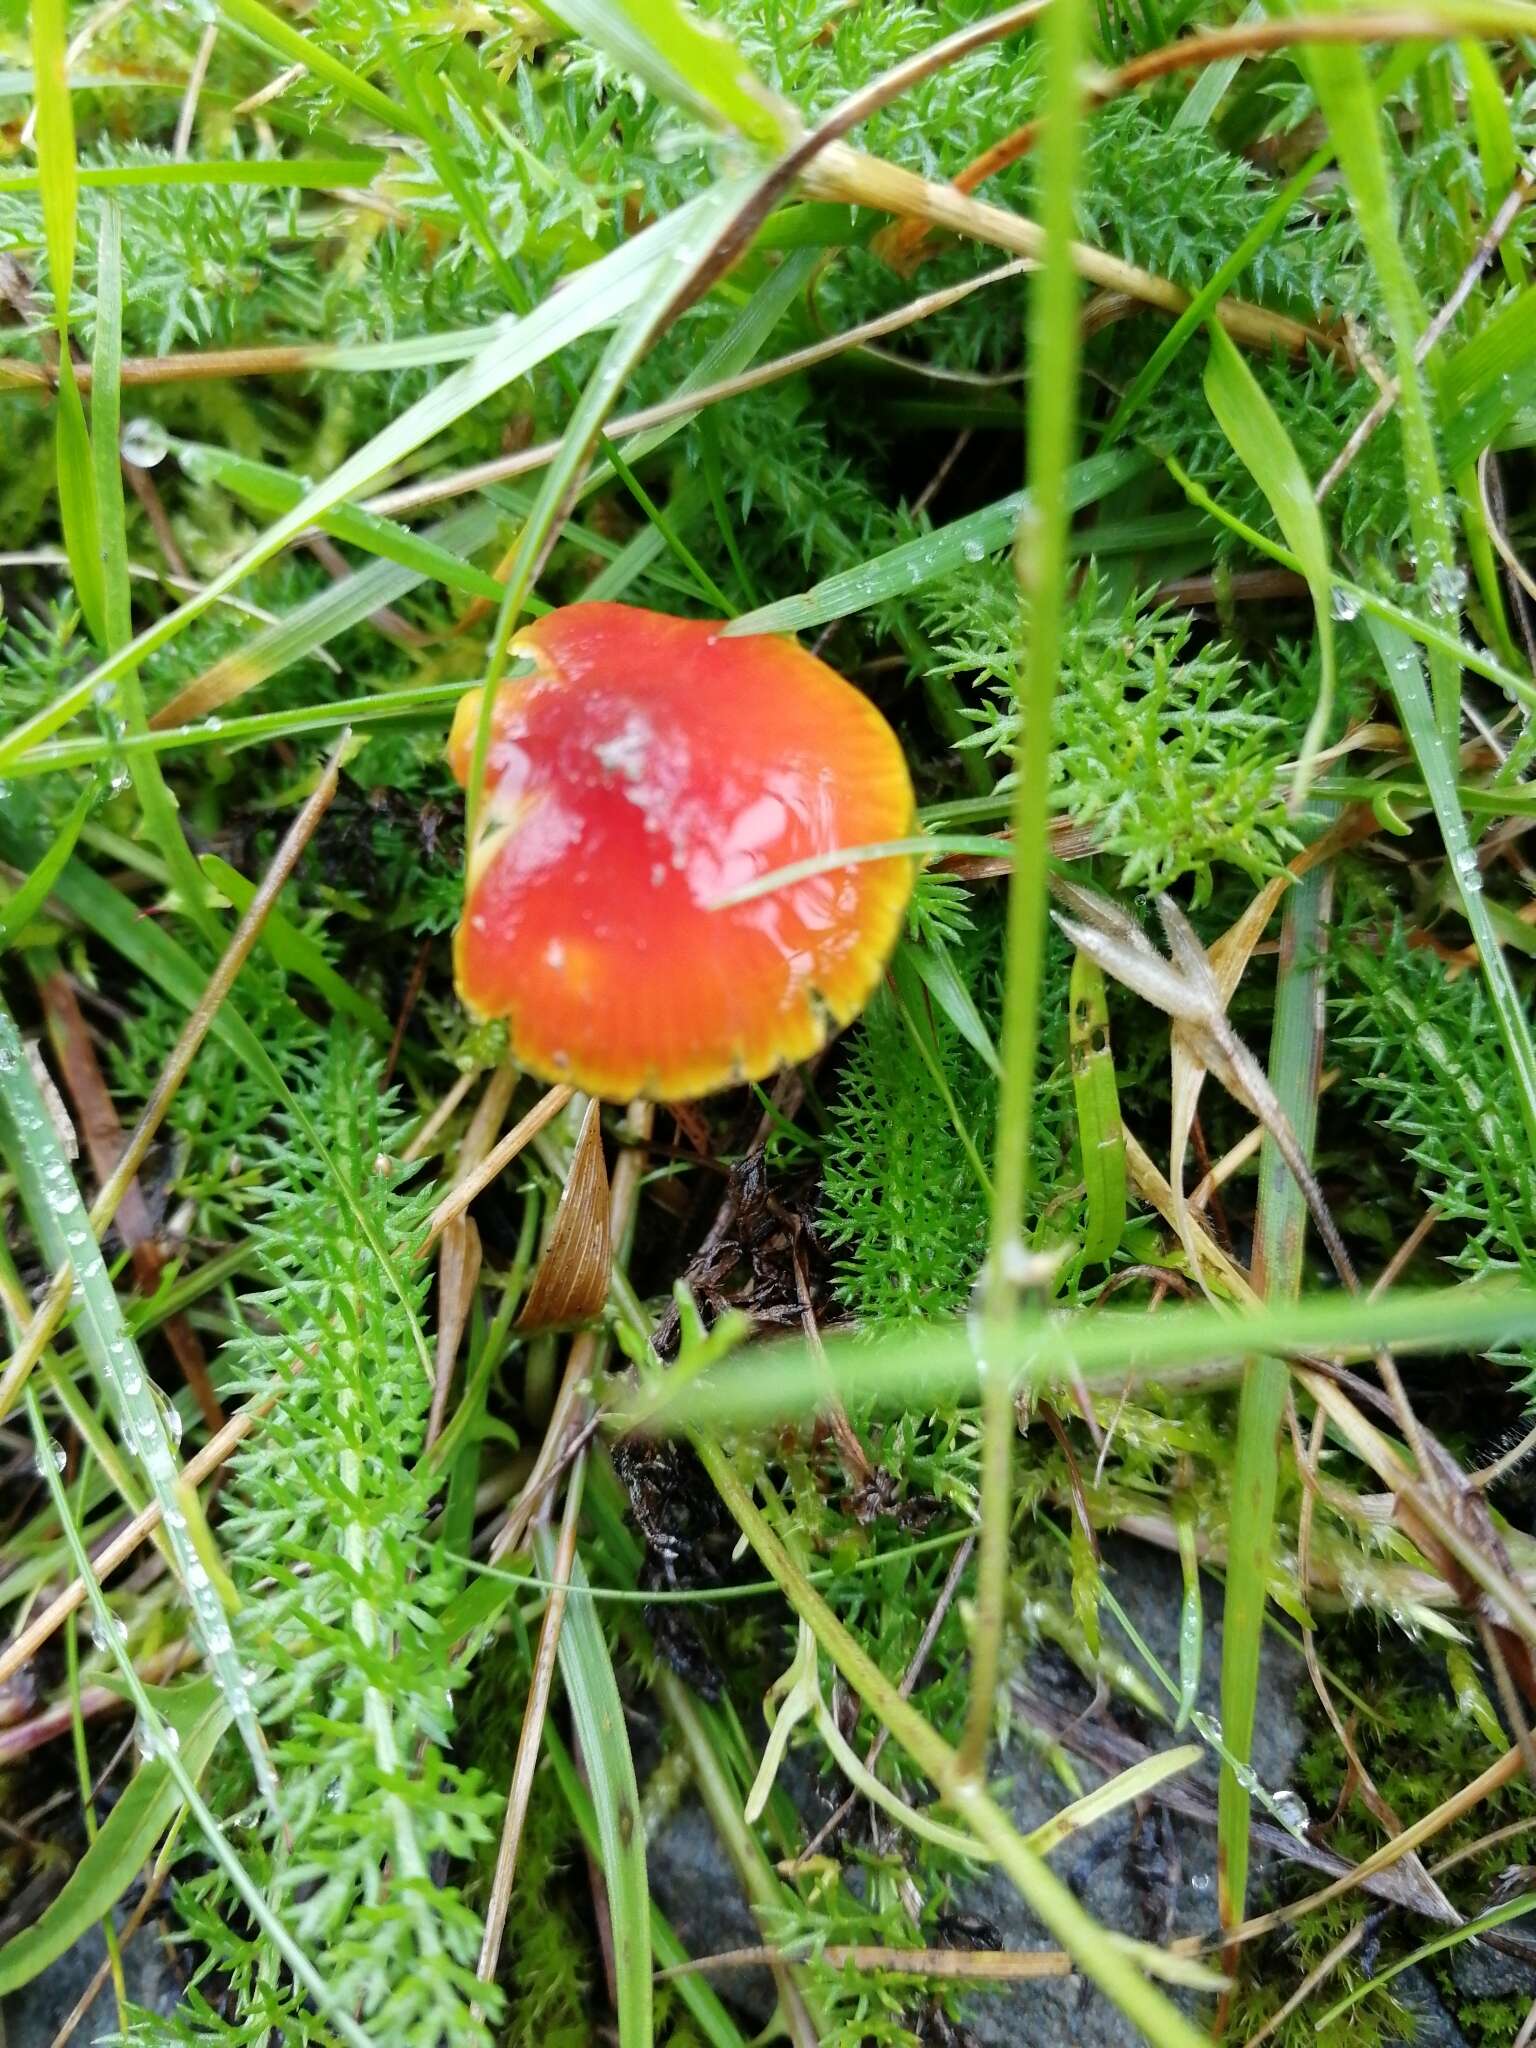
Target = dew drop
(105,1633)
(144,443)
(1447,587)
(1290,1809)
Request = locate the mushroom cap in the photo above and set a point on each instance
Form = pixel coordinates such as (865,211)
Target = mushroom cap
(646,768)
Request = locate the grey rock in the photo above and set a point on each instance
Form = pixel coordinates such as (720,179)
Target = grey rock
(1149,1585)
(1149,1875)
(1479,1971)
(695,1886)
(1431,2026)
(34,2014)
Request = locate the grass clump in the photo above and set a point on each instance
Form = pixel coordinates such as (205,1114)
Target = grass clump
(495,1631)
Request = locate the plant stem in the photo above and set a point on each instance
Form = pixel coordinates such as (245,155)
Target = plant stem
(1294,1064)
(1343,88)
(1040,563)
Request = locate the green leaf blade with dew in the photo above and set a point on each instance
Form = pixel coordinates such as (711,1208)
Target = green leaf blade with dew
(1266,451)
(901,570)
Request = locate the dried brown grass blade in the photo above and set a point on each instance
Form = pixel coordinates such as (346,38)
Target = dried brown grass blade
(570,1282)
(23,1647)
(464,1191)
(1229,956)
(105,1142)
(458,1269)
(45,1321)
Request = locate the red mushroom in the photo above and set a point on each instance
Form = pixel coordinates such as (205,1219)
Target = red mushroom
(648,767)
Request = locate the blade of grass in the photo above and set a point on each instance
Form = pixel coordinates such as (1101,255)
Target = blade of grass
(423,703)
(68,1239)
(698,228)
(1405,677)
(1361,598)
(1096,1097)
(261,25)
(20,909)
(312,625)
(1488,381)
(157,955)
(684,59)
(1265,450)
(901,570)
(158,1737)
(1295,1062)
(1394,74)
(297,951)
(936,1362)
(1342,83)
(124,1842)
(906,994)
(1044,1893)
(274,173)
(57,174)
(605,292)
(712,2019)
(57,177)
(277,490)
(1496,147)
(157,806)
(1131,1783)
(1040,565)
(1470,1930)
(935,968)
(598,1714)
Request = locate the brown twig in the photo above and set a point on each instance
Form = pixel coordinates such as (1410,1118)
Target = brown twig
(142,483)
(530,1735)
(411,497)
(849,177)
(473,1183)
(422,1139)
(46,1320)
(103,1134)
(1190,53)
(202,367)
(570,1415)
(121,1547)
(1479,260)
(182,141)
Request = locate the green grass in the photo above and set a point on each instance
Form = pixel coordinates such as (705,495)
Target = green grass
(624,286)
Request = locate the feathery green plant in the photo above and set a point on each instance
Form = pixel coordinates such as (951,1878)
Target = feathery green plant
(450,238)
(342,1624)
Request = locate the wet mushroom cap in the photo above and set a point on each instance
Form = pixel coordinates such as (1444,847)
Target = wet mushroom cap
(648,767)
